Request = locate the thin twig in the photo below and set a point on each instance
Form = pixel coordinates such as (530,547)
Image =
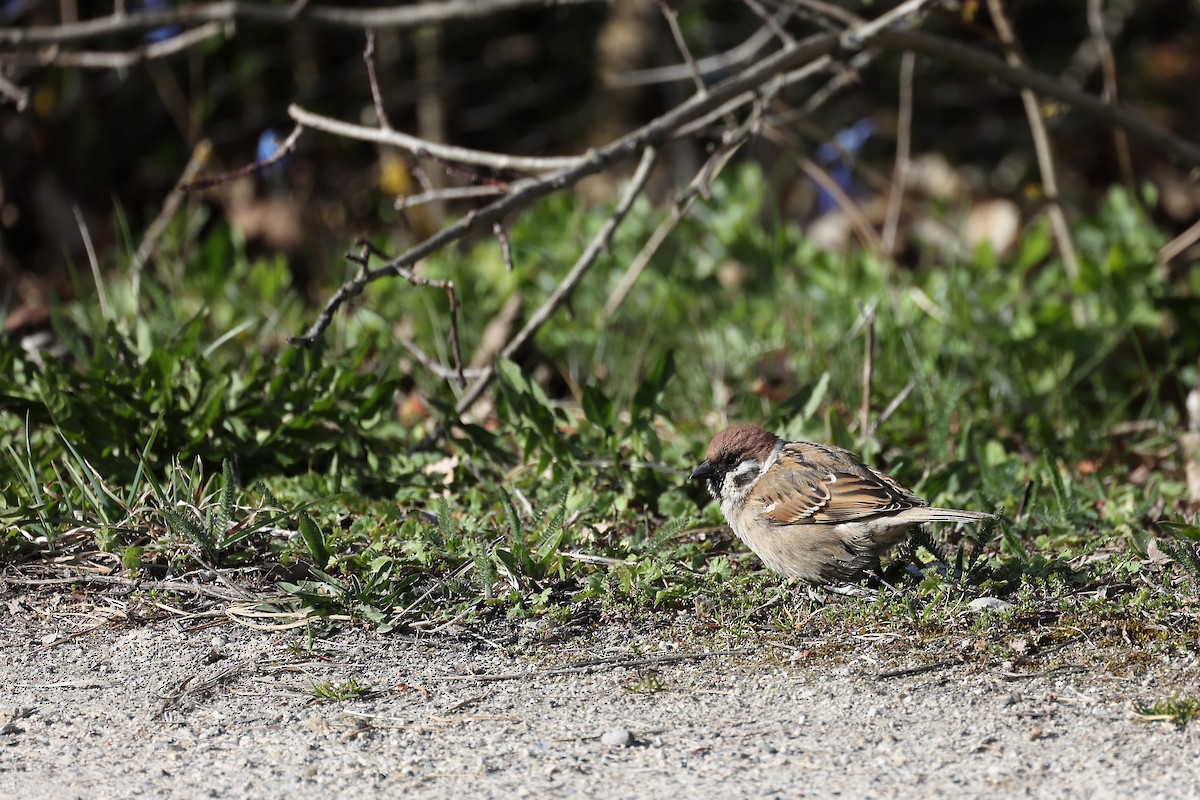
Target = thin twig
(672,17)
(427,149)
(903,153)
(564,290)
(449,193)
(270,13)
(893,406)
(362,259)
(505,246)
(283,151)
(430,363)
(934,667)
(852,210)
(1180,243)
(369,59)
(1045,156)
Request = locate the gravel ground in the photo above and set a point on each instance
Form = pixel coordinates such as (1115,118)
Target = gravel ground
(223,711)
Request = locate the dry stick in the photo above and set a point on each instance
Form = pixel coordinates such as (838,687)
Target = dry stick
(269,13)
(903,153)
(564,290)
(854,213)
(1108,69)
(369,58)
(423,148)
(505,246)
(449,193)
(113,60)
(672,17)
(430,363)
(934,667)
(1045,157)
(1180,243)
(893,406)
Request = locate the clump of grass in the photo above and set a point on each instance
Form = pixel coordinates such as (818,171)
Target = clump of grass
(1179,710)
(349,689)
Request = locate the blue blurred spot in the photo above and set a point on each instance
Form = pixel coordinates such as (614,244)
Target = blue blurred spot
(849,140)
(12,9)
(166,31)
(846,142)
(269,142)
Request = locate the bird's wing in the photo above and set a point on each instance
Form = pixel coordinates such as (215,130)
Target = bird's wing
(812,483)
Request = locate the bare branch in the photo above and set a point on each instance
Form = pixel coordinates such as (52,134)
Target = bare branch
(564,290)
(369,58)
(525,192)
(422,148)
(505,246)
(113,60)
(672,17)
(388,17)
(449,193)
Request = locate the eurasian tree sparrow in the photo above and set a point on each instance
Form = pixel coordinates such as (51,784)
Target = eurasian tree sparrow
(811,511)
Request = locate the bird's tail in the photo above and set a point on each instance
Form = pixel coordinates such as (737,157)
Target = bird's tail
(947,515)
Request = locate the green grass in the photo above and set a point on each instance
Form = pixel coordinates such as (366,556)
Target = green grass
(350,689)
(1178,710)
(186,433)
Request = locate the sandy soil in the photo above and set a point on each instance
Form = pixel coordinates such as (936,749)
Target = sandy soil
(204,708)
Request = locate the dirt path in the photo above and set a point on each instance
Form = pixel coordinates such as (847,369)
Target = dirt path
(226,712)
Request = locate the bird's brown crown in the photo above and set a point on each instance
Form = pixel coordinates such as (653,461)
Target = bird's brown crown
(741,442)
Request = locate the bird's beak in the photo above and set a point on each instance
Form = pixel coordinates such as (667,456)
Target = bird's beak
(705,470)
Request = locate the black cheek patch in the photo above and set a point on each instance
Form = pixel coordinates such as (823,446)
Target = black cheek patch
(744,479)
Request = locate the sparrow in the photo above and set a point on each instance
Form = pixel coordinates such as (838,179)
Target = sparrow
(811,511)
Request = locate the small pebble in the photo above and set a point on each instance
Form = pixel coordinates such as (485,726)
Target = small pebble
(990,604)
(617,737)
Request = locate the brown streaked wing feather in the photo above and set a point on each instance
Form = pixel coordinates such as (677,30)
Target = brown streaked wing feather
(812,483)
